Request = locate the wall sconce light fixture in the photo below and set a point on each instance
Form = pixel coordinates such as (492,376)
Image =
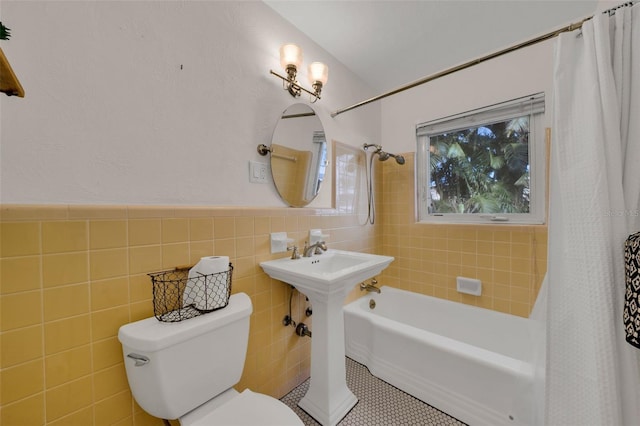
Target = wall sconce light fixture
(291,60)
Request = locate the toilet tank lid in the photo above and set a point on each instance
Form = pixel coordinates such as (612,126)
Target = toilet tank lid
(150,335)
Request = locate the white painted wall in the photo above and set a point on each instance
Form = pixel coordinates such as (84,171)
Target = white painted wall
(154,102)
(524,72)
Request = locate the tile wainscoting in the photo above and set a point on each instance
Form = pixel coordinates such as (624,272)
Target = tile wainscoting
(72,275)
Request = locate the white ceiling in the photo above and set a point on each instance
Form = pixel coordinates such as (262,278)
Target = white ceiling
(392,43)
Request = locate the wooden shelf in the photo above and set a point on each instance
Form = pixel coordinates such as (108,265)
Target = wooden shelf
(9,83)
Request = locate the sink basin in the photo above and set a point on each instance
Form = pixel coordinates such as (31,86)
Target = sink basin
(326,279)
(332,271)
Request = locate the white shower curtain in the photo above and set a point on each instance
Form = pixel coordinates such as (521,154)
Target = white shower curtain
(592,375)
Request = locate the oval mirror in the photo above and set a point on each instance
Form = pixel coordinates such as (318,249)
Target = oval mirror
(298,155)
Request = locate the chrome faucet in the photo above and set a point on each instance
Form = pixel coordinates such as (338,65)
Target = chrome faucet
(320,245)
(370,287)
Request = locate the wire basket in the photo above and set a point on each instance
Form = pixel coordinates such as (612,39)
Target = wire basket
(177,297)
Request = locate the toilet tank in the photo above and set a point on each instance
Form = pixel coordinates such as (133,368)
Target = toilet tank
(189,362)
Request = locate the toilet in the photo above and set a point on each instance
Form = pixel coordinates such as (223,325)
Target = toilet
(186,370)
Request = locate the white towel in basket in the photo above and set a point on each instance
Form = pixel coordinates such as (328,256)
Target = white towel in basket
(201,289)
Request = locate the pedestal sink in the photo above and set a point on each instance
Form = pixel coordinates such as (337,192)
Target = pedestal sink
(326,280)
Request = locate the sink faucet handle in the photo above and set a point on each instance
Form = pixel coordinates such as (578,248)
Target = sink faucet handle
(294,250)
(320,245)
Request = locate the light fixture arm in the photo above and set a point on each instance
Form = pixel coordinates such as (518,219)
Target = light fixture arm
(294,88)
(317,88)
(291,83)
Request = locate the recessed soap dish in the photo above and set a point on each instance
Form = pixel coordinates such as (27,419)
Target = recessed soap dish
(316,235)
(469,286)
(279,241)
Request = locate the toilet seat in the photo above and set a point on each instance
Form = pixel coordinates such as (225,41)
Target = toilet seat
(246,409)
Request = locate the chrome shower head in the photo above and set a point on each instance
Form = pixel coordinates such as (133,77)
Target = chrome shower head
(383,156)
(399,158)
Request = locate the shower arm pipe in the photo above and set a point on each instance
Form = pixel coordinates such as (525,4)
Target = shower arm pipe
(370,145)
(471,63)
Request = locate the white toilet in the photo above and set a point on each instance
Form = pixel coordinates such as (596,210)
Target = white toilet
(185,370)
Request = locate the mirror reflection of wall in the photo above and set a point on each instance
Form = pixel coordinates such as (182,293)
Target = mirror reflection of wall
(290,168)
(298,155)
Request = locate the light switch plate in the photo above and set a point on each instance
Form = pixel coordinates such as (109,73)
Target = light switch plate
(258,172)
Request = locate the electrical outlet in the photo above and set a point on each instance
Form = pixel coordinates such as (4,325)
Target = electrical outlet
(258,172)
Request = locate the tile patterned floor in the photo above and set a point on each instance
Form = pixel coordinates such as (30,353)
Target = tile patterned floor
(380,404)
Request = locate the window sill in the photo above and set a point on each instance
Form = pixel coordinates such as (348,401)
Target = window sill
(450,219)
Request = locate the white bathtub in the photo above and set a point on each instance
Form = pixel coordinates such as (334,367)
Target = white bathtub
(472,363)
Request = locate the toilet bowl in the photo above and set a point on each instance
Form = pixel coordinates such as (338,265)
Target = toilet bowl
(187,370)
(244,409)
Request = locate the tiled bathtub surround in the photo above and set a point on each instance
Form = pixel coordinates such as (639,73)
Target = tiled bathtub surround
(510,260)
(72,275)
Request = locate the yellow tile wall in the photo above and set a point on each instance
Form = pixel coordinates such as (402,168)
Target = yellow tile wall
(510,260)
(70,276)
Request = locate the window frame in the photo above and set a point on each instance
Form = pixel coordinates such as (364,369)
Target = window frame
(534,107)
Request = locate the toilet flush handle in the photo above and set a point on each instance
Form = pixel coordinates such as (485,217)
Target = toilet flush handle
(140,359)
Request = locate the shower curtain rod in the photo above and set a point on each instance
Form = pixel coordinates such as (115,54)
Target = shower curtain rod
(477,61)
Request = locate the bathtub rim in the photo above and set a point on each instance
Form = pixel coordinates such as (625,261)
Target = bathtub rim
(519,367)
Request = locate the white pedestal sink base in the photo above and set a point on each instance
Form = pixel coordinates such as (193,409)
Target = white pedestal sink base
(325,418)
(328,399)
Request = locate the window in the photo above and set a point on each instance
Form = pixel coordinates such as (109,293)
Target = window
(485,165)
